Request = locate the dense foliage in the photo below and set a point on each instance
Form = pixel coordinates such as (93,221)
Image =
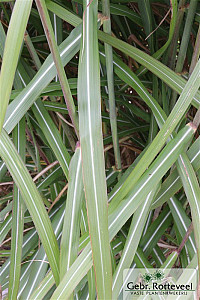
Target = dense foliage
(99,144)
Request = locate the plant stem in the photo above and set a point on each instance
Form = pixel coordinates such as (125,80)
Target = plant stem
(110,79)
(59,66)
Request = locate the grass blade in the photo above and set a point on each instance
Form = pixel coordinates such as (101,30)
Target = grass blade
(184,101)
(157,169)
(5,227)
(110,78)
(47,72)
(71,227)
(160,70)
(192,190)
(33,201)
(17,219)
(92,151)
(132,241)
(39,268)
(14,40)
(44,287)
(52,134)
(84,262)
(183,222)
(173,182)
(58,63)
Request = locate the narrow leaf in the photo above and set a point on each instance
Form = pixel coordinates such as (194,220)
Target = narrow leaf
(92,151)
(32,199)
(14,40)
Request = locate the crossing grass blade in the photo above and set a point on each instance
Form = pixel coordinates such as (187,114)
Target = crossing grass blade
(177,113)
(45,285)
(163,72)
(130,247)
(175,81)
(91,141)
(18,219)
(156,67)
(33,201)
(173,183)
(30,241)
(157,169)
(5,228)
(71,227)
(183,222)
(51,133)
(39,267)
(92,250)
(110,78)
(116,220)
(44,15)
(47,72)
(192,190)
(14,40)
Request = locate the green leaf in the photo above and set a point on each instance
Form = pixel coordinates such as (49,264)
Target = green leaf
(33,201)
(172,121)
(120,215)
(44,287)
(52,134)
(47,72)
(91,140)
(132,241)
(173,80)
(17,219)
(39,265)
(71,227)
(192,190)
(14,40)
(44,15)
